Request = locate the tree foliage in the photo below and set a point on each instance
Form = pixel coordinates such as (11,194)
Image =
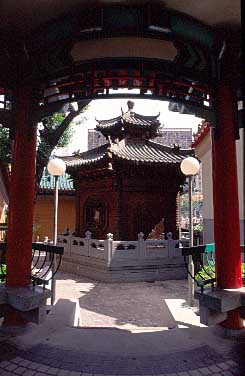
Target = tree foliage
(5,145)
(50,124)
(56,131)
(184,206)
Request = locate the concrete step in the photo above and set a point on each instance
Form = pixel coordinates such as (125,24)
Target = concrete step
(65,313)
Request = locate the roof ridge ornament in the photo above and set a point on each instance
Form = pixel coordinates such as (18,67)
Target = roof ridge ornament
(130,105)
(176,147)
(110,141)
(76,152)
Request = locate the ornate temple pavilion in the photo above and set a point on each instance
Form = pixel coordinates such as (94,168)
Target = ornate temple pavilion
(131,183)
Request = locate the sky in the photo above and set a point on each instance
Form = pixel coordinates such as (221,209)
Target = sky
(102,109)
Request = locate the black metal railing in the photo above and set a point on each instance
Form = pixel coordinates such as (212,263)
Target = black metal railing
(46,260)
(203,275)
(203,257)
(3,232)
(2,262)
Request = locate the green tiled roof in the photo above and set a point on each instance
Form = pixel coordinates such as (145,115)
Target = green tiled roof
(48,183)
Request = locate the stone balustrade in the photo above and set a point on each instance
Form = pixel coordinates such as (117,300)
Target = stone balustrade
(120,261)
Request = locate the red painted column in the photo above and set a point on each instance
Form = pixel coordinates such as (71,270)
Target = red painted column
(21,196)
(225,200)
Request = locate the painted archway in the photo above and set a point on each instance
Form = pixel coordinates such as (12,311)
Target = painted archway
(162,53)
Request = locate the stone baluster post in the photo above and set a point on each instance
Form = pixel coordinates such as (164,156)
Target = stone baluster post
(109,248)
(170,245)
(141,243)
(88,235)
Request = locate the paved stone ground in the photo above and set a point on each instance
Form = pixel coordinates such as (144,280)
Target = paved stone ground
(126,305)
(45,360)
(125,332)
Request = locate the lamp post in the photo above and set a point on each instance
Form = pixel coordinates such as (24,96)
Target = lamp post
(56,167)
(190,167)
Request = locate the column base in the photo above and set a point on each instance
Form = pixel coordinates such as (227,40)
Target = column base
(233,321)
(21,306)
(13,323)
(15,331)
(13,317)
(228,333)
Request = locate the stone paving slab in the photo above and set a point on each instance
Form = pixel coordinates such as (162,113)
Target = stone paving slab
(123,305)
(47,360)
(12,369)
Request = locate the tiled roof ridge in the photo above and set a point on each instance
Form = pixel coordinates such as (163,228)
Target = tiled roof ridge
(146,152)
(98,148)
(105,121)
(78,156)
(169,148)
(127,114)
(139,116)
(149,152)
(88,157)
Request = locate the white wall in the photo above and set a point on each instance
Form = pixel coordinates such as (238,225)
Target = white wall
(204,153)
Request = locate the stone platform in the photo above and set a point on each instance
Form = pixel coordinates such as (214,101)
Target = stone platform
(123,261)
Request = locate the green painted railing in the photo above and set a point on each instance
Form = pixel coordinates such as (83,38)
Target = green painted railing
(204,263)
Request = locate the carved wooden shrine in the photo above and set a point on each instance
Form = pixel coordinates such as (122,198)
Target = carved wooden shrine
(129,184)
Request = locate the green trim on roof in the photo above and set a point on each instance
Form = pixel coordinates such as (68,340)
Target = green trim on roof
(48,182)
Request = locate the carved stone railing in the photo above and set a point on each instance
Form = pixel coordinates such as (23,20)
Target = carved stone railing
(112,250)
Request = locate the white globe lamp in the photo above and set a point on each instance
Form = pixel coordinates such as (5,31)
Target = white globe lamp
(190,166)
(56,167)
